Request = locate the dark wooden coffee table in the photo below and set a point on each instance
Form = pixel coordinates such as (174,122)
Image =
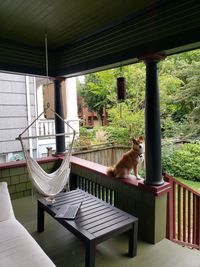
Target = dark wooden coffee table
(95,222)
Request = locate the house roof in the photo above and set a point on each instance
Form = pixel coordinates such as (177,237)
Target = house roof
(88,35)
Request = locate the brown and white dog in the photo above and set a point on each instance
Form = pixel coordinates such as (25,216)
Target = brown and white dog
(129,160)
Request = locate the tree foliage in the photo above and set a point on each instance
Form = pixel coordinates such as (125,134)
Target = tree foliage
(98,90)
(179,82)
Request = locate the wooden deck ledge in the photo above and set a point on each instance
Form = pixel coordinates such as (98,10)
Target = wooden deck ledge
(132,181)
(96,168)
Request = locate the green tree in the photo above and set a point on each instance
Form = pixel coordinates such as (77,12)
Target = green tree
(179,93)
(128,117)
(186,99)
(179,80)
(99,90)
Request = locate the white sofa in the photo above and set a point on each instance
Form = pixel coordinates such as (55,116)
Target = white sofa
(17,247)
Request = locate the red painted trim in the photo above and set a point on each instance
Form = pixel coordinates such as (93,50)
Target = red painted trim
(168,177)
(194,221)
(186,226)
(198,221)
(22,163)
(156,190)
(170,213)
(184,214)
(179,212)
(189,216)
(96,168)
(132,181)
(174,209)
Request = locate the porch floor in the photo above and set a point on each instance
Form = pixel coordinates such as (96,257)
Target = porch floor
(66,250)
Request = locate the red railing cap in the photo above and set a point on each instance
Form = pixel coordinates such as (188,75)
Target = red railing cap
(132,181)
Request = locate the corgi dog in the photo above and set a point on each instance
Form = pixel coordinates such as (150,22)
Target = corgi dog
(129,160)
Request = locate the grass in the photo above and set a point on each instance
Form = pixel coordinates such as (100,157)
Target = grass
(195,185)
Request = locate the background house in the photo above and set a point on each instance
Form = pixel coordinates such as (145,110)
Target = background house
(89,117)
(17,110)
(22,99)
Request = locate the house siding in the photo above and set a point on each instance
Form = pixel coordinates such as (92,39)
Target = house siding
(13,111)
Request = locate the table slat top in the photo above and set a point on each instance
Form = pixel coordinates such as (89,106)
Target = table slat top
(95,218)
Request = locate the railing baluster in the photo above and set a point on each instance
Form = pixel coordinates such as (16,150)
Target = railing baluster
(179,213)
(184,214)
(189,217)
(90,187)
(96,189)
(84,184)
(107,195)
(174,210)
(194,221)
(170,211)
(103,195)
(93,190)
(42,128)
(81,183)
(78,181)
(198,221)
(112,198)
(99,191)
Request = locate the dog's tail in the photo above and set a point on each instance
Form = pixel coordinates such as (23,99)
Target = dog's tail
(110,172)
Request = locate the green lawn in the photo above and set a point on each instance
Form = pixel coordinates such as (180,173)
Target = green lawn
(193,184)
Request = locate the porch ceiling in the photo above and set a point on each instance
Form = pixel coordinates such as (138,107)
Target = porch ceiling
(85,35)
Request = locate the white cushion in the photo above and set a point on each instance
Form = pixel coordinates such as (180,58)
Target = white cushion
(19,249)
(6,210)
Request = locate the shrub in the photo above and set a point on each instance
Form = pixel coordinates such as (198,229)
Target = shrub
(85,138)
(183,162)
(167,157)
(118,135)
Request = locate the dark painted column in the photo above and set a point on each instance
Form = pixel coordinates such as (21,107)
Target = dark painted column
(152,123)
(59,124)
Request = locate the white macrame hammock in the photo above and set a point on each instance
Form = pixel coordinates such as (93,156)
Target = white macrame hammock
(48,184)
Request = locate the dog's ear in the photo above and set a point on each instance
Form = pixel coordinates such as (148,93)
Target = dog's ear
(134,141)
(141,138)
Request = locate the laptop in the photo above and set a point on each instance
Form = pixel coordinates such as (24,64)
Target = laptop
(68,211)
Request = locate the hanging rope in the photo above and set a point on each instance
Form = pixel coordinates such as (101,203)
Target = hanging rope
(46,55)
(48,184)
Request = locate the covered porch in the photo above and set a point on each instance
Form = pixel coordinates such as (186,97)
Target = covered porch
(65,249)
(149,204)
(83,37)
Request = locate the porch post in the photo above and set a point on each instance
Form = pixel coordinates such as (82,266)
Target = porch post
(71,102)
(152,123)
(59,124)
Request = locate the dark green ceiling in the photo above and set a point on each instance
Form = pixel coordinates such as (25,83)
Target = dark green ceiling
(85,35)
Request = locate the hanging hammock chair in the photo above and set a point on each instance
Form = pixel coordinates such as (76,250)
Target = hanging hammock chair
(48,184)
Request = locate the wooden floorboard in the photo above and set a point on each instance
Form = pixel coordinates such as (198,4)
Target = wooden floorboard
(67,251)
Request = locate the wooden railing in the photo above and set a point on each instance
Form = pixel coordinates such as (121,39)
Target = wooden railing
(183,220)
(130,195)
(104,154)
(98,190)
(46,127)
